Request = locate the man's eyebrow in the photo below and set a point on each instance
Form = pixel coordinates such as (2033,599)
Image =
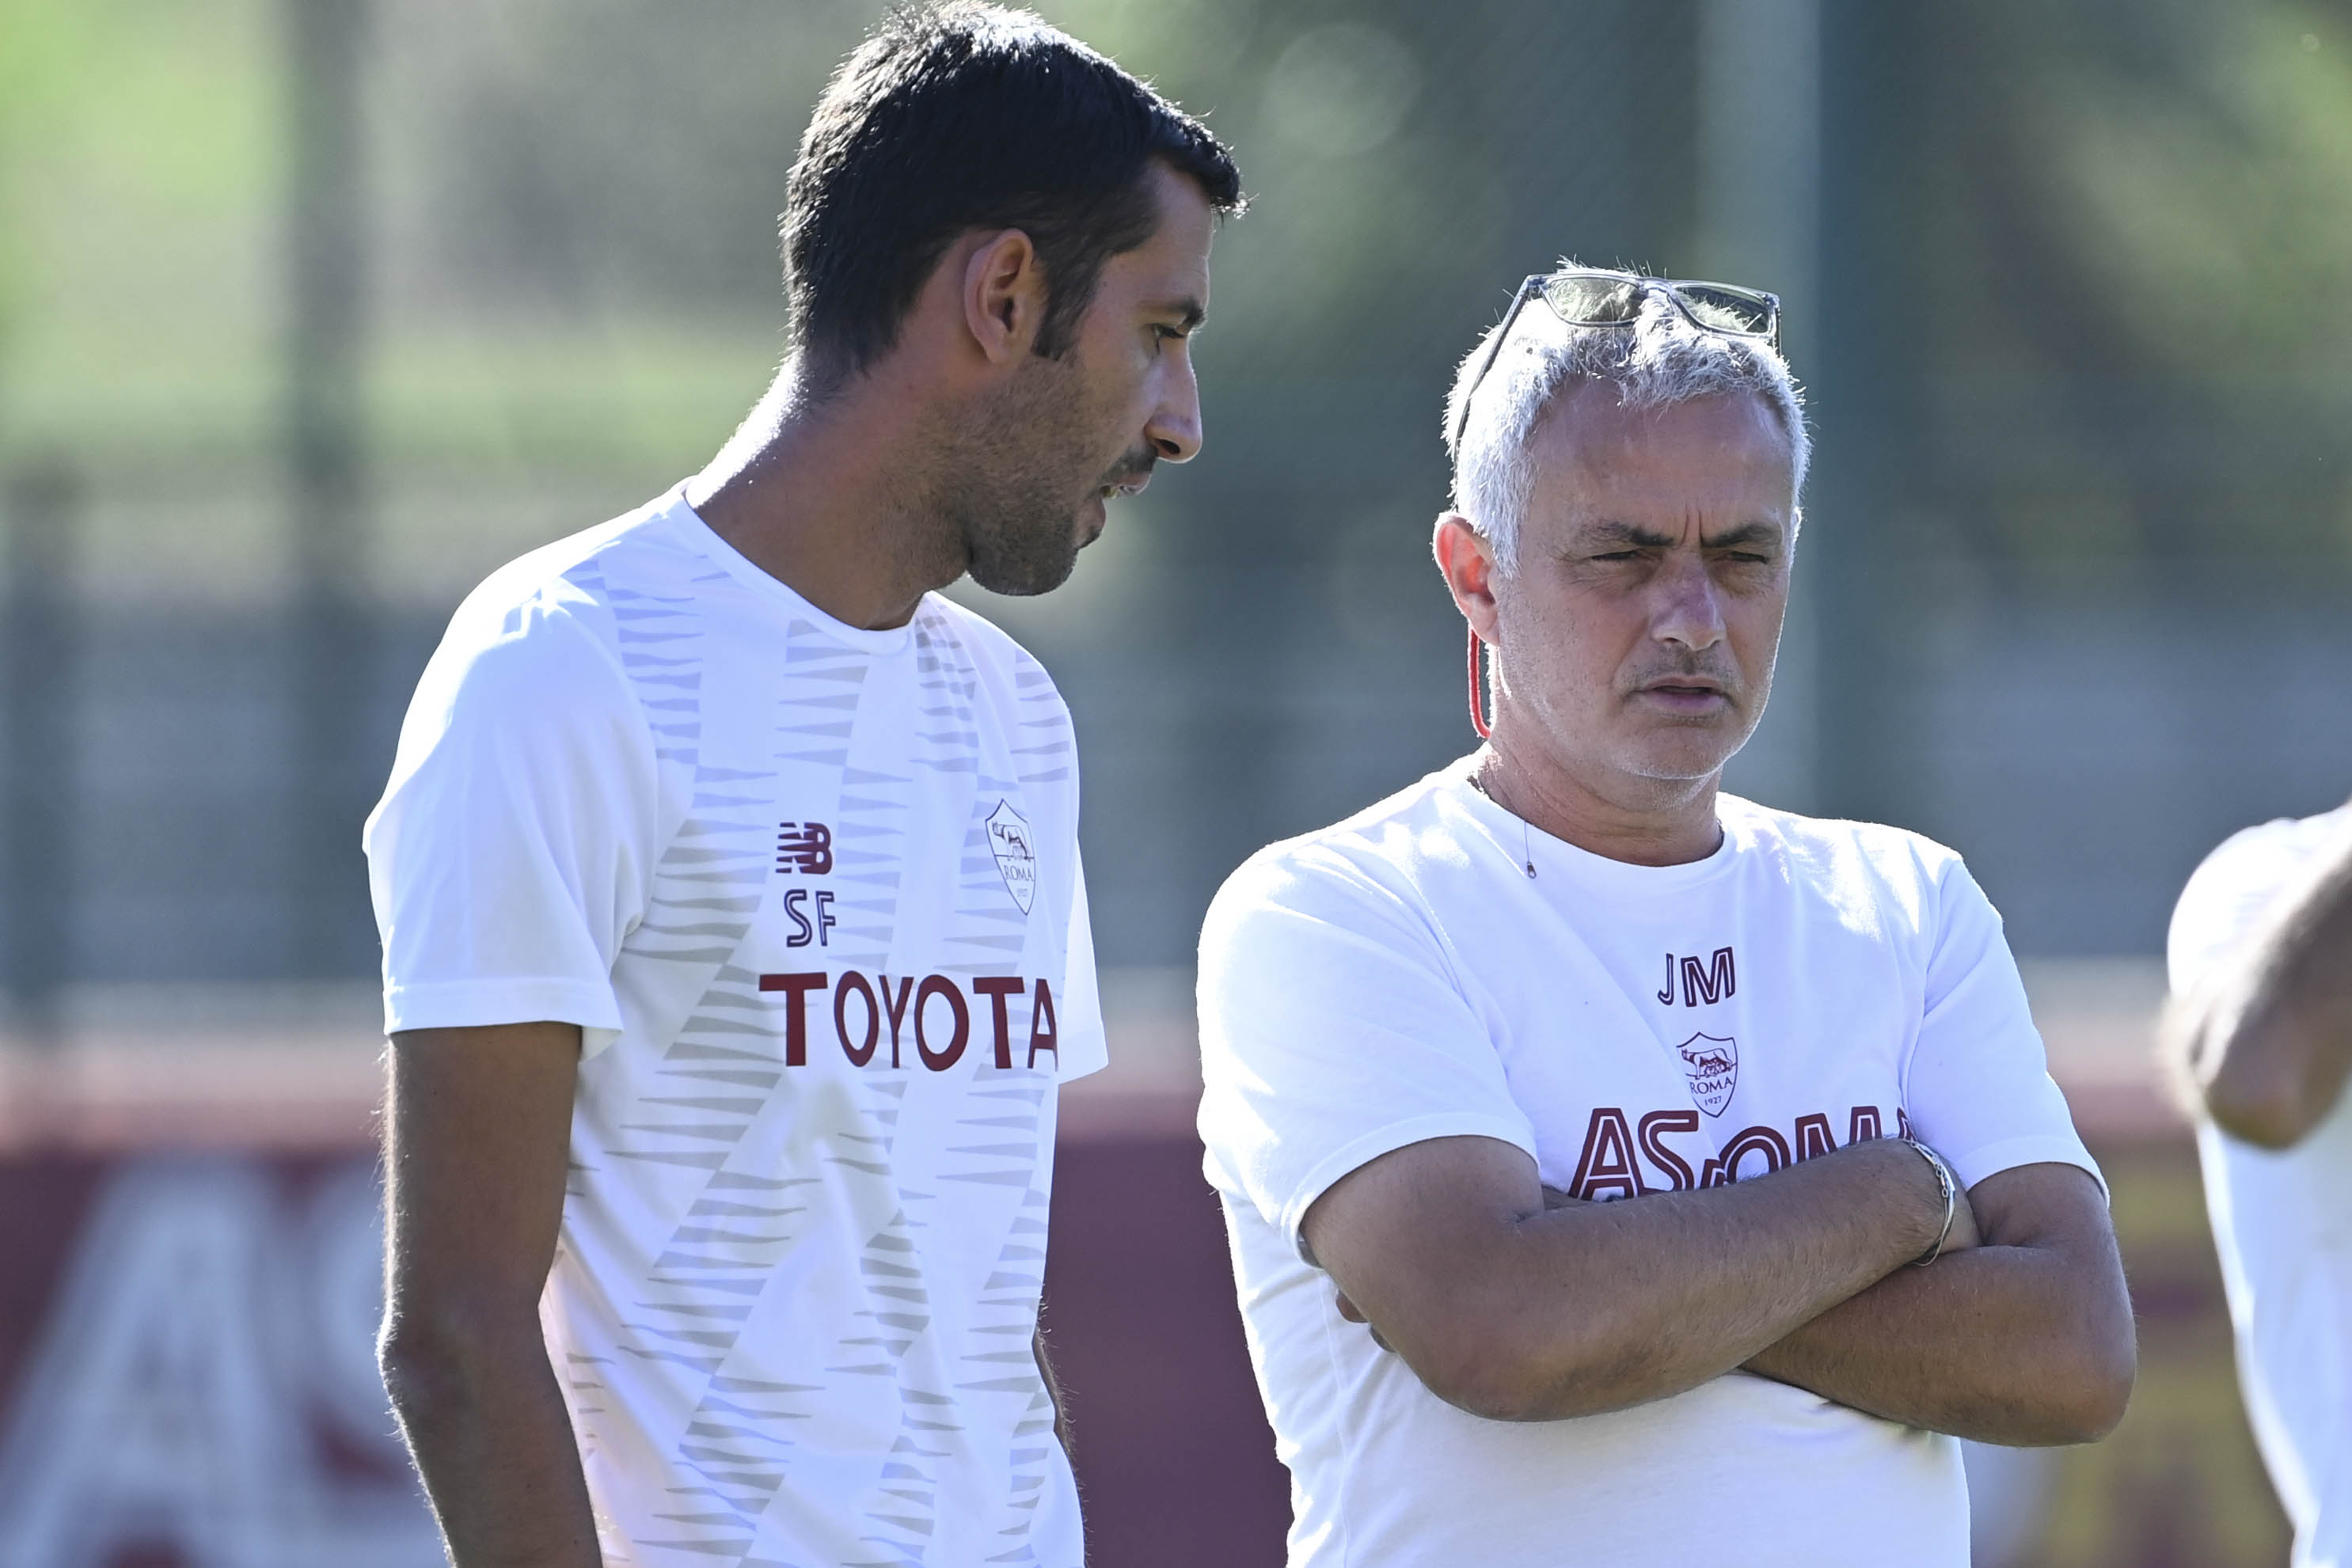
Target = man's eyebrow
(1745,534)
(1187,311)
(1634,536)
(1631,536)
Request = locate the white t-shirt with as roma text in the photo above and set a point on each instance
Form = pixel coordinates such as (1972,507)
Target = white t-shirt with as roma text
(1399,977)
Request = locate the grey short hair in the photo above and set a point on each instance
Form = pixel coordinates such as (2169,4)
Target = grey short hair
(1663,358)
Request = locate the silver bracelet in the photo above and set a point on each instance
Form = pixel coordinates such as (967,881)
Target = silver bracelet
(1951,1191)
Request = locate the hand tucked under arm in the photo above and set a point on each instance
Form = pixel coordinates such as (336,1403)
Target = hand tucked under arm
(2025,1340)
(1515,1311)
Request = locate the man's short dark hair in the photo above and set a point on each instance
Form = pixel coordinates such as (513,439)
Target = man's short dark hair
(961,116)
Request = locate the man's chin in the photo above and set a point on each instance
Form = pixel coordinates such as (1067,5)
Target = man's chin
(1026,573)
(1688,752)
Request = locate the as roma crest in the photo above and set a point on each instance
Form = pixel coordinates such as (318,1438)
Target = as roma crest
(1016,857)
(1712,1066)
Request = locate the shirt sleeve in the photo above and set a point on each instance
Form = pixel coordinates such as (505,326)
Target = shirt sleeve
(1979,1090)
(2225,901)
(1332,1031)
(510,854)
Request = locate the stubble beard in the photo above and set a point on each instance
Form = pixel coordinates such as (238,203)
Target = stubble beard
(1660,758)
(1013,501)
(1675,753)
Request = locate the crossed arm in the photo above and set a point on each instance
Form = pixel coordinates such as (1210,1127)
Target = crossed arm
(1518,1310)
(2267,1038)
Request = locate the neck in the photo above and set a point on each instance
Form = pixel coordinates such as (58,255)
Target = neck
(1643,821)
(827,495)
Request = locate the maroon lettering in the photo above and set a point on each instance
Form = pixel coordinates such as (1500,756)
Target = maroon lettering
(1754,1141)
(1813,1136)
(1712,1174)
(1710,982)
(1042,1028)
(1607,1162)
(805,847)
(941,986)
(1861,1127)
(996,988)
(852,981)
(797,987)
(897,1003)
(1902,1122)
(1678,1169)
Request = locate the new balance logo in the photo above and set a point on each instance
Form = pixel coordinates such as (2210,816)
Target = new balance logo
(805,847)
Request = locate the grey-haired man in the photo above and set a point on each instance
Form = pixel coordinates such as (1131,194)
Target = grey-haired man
(1618,1106)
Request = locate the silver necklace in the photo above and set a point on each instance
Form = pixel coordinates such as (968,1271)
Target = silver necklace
(1526,836)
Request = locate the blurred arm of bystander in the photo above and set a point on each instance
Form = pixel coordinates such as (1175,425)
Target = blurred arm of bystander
(2266,1037)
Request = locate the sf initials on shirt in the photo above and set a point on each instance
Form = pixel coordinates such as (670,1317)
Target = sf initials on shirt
(876,1001)
(1608,1168)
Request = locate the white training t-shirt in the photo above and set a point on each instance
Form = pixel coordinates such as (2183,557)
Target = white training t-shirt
(812,894)
(2282,1220)
(1635,1028)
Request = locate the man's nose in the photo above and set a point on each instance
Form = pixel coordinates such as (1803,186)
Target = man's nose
(1174,428)
(1688,608)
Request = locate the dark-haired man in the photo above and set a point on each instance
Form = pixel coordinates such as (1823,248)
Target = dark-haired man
(735,939)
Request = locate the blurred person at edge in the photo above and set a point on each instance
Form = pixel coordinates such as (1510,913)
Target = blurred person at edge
(1634,1242)
(2259,1027)
(735,937)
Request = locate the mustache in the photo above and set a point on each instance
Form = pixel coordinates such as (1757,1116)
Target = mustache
(1723,672)
(1132,467)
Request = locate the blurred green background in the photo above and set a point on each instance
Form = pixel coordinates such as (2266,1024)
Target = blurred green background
(313,311)
(2066,281)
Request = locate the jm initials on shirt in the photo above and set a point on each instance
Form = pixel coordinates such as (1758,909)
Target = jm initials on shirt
(1706,983)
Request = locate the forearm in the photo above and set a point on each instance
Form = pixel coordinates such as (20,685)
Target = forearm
(2269,1041)
(1604,1306)
(1988,1344)
(2025,1339)
(477,1133)
(492,1438)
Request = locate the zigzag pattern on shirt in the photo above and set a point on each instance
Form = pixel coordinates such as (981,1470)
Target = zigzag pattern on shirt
(947,732)
(705,892)
(1000,1356)
(900,1513)
(1045,726)
(817,725)
(776,1169)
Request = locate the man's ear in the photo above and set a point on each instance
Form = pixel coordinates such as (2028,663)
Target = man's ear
(1468,562)
(1004,297)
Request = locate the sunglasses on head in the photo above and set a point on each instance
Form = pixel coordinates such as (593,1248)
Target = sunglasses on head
(1597,296)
